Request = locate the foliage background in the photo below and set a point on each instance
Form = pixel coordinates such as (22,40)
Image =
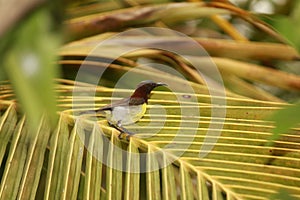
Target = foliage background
(42,46)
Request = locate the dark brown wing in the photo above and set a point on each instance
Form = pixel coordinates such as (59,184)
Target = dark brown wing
(137,101)
(122,102)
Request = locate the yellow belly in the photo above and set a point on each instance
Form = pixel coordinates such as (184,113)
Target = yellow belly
(124,115)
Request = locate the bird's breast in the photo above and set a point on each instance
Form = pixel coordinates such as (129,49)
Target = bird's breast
(126,114)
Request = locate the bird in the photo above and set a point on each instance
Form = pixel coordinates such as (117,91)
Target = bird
(128,110)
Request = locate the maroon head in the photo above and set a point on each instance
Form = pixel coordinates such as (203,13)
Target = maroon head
(143,90)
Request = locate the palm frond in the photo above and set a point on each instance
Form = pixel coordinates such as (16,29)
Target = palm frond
(85,159)
(196,141)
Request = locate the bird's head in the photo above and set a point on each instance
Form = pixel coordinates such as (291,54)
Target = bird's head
(144,89)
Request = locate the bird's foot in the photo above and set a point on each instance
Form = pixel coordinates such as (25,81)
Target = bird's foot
(124,132)
(124,136)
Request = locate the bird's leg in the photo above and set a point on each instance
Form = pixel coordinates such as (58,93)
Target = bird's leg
(123,130)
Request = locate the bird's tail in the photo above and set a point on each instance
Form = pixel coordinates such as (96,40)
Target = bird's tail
(89,112)
(100,110)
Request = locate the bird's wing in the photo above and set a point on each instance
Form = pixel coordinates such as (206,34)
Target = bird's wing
(122,102)
(137,101)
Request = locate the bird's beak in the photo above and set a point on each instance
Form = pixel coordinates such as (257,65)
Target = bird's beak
(161,84)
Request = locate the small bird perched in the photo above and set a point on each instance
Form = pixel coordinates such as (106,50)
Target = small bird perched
(131,109)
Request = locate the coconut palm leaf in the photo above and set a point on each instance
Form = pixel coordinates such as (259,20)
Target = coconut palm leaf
(194,142)
(233,71)
(84,158)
